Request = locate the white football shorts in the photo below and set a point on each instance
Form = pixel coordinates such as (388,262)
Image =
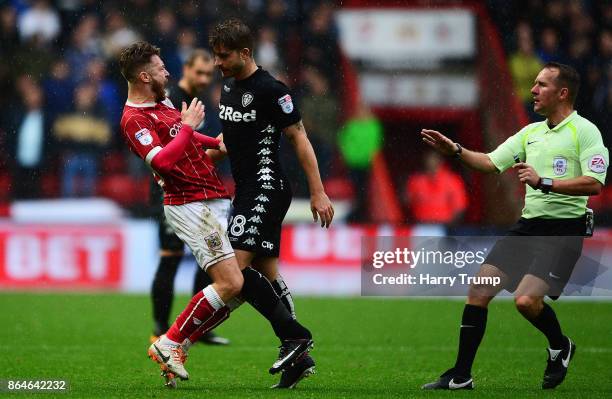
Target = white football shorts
(202,225)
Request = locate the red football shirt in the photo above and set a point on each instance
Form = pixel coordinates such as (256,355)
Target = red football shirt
(147,128)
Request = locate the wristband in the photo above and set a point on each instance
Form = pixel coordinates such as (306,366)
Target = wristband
(458,151)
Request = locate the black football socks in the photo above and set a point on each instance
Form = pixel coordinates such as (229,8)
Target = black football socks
(473,324)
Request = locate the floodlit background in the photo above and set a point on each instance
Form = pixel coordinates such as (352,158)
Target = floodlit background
(78,241)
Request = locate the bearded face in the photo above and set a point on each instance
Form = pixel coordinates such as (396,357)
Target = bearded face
(159,89)
(159,77)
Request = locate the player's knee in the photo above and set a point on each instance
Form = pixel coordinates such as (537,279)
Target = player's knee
(480,295)
(528,305)
(230,284)
(235,284)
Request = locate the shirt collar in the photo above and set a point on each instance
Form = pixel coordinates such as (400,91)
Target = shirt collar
(569,118)
(140,105)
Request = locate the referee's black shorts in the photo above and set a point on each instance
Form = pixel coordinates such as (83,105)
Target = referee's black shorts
(545,248)
(257,218)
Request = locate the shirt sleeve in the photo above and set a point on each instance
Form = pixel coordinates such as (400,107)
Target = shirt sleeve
(503,157)
(141,137)
(594,157)
(284,111)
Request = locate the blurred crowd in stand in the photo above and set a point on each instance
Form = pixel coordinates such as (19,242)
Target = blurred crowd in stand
(61,93)
(574,32)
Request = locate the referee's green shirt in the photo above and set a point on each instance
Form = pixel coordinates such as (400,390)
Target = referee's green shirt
(573,148)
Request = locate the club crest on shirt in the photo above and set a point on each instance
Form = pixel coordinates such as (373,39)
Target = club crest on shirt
(213,242)
(286,103)
(144,136)
(559,166)
(247,98)
(597,163)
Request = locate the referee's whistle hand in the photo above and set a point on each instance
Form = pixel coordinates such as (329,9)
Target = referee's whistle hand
(438,141)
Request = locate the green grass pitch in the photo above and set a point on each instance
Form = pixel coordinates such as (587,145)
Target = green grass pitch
(365,348)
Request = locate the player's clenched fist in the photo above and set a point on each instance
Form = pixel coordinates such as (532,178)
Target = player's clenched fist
(194,114)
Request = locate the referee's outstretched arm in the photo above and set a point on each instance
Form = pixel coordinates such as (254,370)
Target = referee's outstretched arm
(578,186)
(475,160)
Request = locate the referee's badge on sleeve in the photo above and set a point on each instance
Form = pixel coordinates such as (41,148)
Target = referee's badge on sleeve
(559,166)
(144,136)
(286,103)
(597,163)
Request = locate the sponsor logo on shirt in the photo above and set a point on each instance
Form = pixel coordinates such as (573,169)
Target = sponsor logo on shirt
(175,129)
(144,136)
(597,163)
(227,113)
(286,103)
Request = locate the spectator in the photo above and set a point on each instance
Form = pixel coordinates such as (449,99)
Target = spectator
(40,20)
(85,47)
(59,89)
(266,52)
(33,58)
(321,42)
(359,140)
(117,35)
(436,195)
(9,37)
(28,139)
(165,34)
(186,43)
(320,117)
(108,91)
(549,46)
(82,135)
(524,65)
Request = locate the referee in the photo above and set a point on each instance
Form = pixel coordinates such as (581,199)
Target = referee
(198,72)
(562,161)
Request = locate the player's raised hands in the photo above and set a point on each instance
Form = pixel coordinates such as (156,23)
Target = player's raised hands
(322,209)
(439,142)
(194,114)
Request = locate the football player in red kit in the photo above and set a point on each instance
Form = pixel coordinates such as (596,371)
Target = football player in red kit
(196,205)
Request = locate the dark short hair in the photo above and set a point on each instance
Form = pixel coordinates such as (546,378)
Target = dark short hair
(196,54)
(232,34)
(134,57)
(568,77)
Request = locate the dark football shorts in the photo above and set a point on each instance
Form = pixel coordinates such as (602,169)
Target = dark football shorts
(257,218)
(545,248)
(168,241)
